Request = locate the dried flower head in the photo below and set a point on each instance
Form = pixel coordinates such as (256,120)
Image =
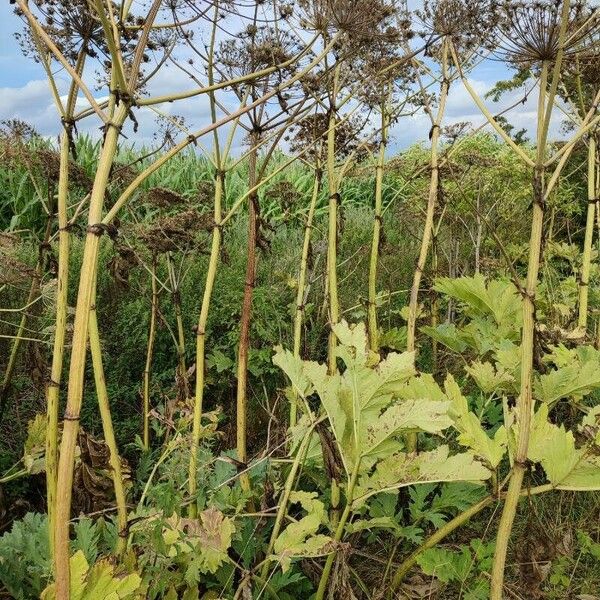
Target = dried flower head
(72,26)
(469,23)
(312,131)
(530,31)
(177,233)
(285,194)
(362,20)
(164,198)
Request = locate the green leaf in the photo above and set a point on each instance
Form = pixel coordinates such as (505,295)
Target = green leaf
(25,562)
(299,538)
(423,386)
(293,367)
(400,470)
(87,537)
(101,582)
(412,415)
(573,381)
(354,401)
(488,379)
(567,467)
(446,565)
(446,334)
(498,298)
(471,433)
(373,523)
(34,449)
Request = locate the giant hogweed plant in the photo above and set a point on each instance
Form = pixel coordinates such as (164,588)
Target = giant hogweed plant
(488,332)
(369,406)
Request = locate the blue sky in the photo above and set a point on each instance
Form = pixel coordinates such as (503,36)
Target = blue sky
(24,94)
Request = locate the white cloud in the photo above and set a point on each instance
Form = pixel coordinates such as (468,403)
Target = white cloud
(461,107)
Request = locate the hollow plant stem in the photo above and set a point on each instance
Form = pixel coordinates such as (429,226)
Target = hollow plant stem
(108,429)
(332,229)
(301,291)
(213,261)
(89,266)
(149,357)
(377,225)
(524,406)
(431,204)
(58,349)
(413,305)
(584,278)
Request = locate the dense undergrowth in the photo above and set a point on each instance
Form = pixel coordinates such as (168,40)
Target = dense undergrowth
(393,524)
(304,366)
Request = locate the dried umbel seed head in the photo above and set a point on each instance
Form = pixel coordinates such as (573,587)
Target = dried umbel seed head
(456,130)
(168,130)
(530,31)
(71,24)
(121,264)
(123,175)
(164,198)
(258,48)
(16,129)
(312,132)
(47,162)
(469,23)
(284,193)
(176,233)
(206,193)
(362,20)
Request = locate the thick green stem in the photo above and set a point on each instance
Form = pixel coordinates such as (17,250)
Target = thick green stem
(413,305)
(375,242)
(107,427)
(78,354)
(332,230)
(524,406)
(58,350)
(339,532)
(201,339)
(149,357)
(584,278)
(431,204)
(301,291)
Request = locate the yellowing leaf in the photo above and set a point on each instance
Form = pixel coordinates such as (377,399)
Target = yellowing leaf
(292,366)
(552,446)
(488,379)
(435,466)
(35,445)
(299,538)
(98,583)
(573,381)
(423,386)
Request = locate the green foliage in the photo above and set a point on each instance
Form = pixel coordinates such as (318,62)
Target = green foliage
(102,581)
(367,419)
(463,567)
(300,539)
(25,563)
